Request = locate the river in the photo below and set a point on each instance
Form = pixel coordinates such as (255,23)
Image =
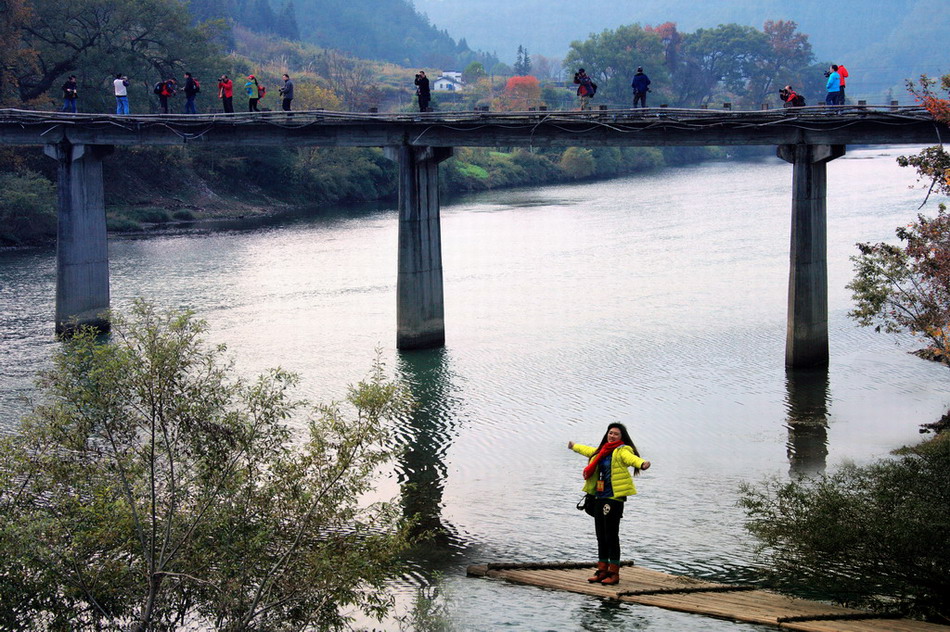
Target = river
(657,300)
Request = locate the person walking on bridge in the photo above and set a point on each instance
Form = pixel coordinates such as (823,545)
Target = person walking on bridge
(70,94)
(640,85)
(607,484)
(165,90)
(586,88)
(192,88)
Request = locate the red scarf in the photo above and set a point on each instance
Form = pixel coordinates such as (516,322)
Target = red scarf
(605,450)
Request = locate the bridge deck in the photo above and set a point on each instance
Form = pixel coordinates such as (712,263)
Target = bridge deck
(637,127)
(673,592)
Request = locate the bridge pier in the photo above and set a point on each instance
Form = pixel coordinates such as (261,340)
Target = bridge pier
(806,341)
(82,253)
(420,305)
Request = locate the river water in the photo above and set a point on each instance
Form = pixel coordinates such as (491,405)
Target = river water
(657,300)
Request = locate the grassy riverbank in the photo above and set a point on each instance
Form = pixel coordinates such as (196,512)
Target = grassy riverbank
(155,186)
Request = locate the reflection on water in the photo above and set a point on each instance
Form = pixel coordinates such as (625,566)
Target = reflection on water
(425,436)
(807,401)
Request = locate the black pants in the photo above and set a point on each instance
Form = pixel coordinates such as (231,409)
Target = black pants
(607,514)
(424,102)
(640,97)
(285,105)
(252,105)
(228,103)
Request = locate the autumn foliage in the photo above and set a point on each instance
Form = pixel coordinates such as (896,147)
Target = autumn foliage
(521,93)
(933,163)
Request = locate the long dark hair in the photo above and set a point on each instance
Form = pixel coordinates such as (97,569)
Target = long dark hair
(625,437)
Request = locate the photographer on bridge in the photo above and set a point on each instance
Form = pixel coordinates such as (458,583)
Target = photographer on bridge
(422,91)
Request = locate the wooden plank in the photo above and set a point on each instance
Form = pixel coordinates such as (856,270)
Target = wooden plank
(686,594)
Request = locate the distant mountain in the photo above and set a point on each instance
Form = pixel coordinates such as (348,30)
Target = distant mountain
(881,41)
(387,30)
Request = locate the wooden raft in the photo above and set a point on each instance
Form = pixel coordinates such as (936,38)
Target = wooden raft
(725,601)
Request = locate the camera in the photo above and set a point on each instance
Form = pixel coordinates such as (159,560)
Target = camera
(827,74)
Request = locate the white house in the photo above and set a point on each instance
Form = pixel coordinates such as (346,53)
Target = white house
(449,82)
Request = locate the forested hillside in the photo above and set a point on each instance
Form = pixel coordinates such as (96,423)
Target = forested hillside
(387,30)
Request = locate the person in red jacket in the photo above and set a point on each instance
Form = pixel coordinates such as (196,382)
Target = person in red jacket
(226,93)
(843,73)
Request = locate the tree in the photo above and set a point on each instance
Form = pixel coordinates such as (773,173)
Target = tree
(872,536)
(285,24)
(520,94)
(473,72)
(717,60)
(611,57)
(577,162)
(932,164)
(786,59)
(97,38)
(547,68)
(348,76)
(152,488)
(15,16)
(522,65)
(907,288)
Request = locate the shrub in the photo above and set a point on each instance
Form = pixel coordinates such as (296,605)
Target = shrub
(27,208)
(872,536)
(151,489)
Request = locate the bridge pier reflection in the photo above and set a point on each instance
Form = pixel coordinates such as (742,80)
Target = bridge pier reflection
(426,437)
(82,252)
(806,342)
(807,404)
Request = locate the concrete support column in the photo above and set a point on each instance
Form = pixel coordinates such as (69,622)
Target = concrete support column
(806,342)
(82,255)
(420,305)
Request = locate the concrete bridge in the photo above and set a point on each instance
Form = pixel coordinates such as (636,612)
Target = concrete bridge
(808,138)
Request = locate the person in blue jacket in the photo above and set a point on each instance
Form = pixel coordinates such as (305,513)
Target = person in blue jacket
(640,85)
(607,484)
(833,85)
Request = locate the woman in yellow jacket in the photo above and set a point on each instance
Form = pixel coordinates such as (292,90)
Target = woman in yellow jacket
(607,483)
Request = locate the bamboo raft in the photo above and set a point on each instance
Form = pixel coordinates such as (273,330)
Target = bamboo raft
(685,594)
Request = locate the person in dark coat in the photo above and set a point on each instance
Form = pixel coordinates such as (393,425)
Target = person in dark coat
(70,94)
(191,91)
(287,91)
(640,85)
(422,91)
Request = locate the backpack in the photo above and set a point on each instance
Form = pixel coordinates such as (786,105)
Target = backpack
(593,89)
(158,87)
(261,91)
(197,85)
(798,101)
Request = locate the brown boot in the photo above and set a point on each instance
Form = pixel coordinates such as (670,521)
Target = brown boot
(600,574)
(613,575)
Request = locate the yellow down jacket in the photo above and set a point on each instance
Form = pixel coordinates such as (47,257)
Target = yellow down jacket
(620,479)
